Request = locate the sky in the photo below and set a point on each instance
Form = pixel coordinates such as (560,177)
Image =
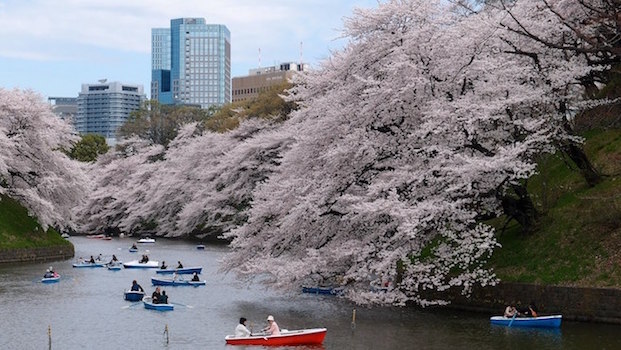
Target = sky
(53,47)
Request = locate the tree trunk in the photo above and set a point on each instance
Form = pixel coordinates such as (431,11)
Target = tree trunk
(592,176)
(519,206)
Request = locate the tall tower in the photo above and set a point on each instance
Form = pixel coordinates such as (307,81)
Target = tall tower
(191,63)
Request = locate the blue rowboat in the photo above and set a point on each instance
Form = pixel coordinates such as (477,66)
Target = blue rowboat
(133,250)
(171,282)
(114,267)
(183,271)
(552,321)
(50,279)
(134,295)
(159,307)
(88,264)
(322,290)
(200,247)
(135,264)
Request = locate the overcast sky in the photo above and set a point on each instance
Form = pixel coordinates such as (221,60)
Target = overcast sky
(54,46)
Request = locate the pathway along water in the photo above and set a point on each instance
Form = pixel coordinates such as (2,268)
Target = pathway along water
(86,310)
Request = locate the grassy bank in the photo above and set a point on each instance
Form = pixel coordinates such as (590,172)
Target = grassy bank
(18,230)
(578,241)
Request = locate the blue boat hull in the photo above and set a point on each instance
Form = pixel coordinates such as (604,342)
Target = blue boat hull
(167,282)
(183,271)
(50,279)
(88,265)
(134,295)
(322,290)
(553,321)
(159,307)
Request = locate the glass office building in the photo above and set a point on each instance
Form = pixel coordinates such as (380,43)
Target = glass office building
(104,107)
(191,63)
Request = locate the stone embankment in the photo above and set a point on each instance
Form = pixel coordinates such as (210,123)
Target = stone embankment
(37,254)
(574,303)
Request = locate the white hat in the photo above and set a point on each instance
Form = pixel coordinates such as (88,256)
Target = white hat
(51,268)
(270,318)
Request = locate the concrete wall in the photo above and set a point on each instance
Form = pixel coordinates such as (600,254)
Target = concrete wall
(37,254)
(574,303)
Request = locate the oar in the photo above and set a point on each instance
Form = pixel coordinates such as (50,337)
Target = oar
(132,305)
(512,318)
(184,305)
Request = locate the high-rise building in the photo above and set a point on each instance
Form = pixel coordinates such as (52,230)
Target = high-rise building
(261,79)
(104,107)
(191,63)
(64,107)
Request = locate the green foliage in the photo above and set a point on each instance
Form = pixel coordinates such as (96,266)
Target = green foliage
(160,123)
(580,234)
(18,230)
(268,105)
(89,148)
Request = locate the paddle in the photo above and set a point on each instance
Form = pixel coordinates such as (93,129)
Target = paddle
(184,305)
(512,319)
(132,305)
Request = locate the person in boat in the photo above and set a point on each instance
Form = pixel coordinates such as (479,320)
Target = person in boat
(272,328)
(92,260)
(99,258)
(134,246)
(180,266)
(155,297)
(136,287)
(48,274)
(196,279)
(114,260)
(511,311)
(530,311)
(241,330)
(164,267)
(145,259)
(163,298)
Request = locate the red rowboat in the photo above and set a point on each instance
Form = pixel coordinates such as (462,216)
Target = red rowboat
(292,337)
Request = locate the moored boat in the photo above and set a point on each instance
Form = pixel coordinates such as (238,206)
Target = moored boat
(323,290)
(65,235)
(54,279)
(135,264)
(200,247)
(175,282)
(148,304)
(146,240)
(89,264)
(313,336)
(133,295)
(183,271)
(552,321)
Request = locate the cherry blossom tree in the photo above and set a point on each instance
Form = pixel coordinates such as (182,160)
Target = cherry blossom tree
(420,126)
(33,168)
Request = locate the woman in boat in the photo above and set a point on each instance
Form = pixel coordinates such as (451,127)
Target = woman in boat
(48,274)
(136,287)
(196,279)
(134,246)
(163,298)
(164,267)
(144,260)
(180,266)
(155,297)
(241,330)
(92,261)
(114,260)
(511,311)
(272,328)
